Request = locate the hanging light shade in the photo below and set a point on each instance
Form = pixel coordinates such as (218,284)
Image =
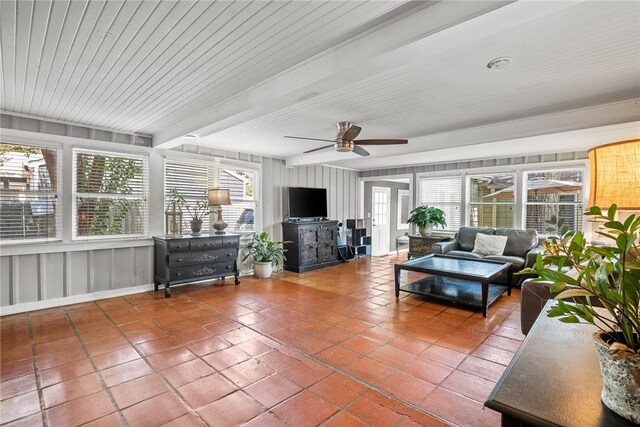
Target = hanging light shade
(615,175)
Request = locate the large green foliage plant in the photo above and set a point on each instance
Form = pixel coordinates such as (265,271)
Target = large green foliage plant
(581,273)
(423,216)
(263,249)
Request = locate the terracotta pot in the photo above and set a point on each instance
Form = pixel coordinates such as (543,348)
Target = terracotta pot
(620,378)
(263,270)
(426,230)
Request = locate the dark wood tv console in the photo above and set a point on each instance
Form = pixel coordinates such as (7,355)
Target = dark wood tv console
(313,244)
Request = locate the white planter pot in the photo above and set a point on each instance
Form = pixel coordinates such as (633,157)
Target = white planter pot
(620,379)
(426,230)
(262,270)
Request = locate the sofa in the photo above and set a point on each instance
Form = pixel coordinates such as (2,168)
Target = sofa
(521,248)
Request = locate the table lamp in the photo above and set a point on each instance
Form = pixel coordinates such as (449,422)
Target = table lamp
(219,197)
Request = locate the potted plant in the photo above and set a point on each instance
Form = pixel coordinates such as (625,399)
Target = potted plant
(425,218)
(608,276)
(197,211)
(265,253)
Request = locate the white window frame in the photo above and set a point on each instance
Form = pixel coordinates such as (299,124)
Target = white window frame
(403,194)
(144,197)
(57,193)
(213,181)
(520,191)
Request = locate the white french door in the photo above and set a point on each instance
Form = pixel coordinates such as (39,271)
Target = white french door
(380,228)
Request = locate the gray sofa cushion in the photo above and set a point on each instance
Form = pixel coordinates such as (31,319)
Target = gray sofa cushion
(465,254)
(519,242)
(466,236)
(518,262)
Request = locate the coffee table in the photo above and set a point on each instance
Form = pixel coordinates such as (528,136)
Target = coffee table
(461,280)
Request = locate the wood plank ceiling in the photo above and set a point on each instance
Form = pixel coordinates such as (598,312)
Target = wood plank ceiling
(129,65)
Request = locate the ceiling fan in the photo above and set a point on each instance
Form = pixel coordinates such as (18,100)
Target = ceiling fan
(345,140)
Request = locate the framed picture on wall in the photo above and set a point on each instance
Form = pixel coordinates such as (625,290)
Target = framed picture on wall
(403,209)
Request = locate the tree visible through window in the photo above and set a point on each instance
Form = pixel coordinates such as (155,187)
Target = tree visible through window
(110,194)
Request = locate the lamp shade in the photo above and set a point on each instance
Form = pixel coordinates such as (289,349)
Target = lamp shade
(219,196)
(615,175)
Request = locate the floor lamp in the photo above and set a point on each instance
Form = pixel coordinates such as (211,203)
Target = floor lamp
(217,198)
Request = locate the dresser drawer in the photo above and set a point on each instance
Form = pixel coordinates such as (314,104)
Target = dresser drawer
(194,258)
(230,243)
(197,272)
(178,245)
(202,244)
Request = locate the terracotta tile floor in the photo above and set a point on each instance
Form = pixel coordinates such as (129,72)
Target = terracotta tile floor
(330,347)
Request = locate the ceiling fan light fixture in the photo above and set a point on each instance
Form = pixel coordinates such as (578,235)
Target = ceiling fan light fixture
(343,146)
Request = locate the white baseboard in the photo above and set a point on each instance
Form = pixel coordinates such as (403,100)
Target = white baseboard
(75,299)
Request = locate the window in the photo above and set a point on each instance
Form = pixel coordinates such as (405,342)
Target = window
(403,209)
(194,179)
(445,193)
(241,183)
(492,200)
(109,194)
(554,200)
(29,179)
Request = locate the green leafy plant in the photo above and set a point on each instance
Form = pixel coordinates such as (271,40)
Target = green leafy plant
(197,211)
(263,249)
(610,274)
(423,216)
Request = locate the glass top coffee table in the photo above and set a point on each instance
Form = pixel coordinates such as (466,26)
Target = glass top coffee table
(461,280)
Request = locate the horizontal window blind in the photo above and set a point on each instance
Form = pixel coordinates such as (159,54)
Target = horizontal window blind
(29,180)
(110,194)
(444,193)
(554,200)
(193,181)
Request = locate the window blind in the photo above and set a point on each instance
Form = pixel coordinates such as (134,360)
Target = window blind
(193,181)
(444,193)
(110,194)
(29,180)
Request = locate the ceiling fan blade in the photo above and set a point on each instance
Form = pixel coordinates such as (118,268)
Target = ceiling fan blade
(320,148)
(310,139)
(361,151)
(351,133)
(380,141)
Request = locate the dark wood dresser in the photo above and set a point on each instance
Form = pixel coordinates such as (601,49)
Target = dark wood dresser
(313,245)
(184,259)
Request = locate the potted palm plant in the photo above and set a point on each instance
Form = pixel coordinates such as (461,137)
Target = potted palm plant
(610,277)
(425,218)
(265,253)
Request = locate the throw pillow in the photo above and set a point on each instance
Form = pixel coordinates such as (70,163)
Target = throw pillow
(489,245)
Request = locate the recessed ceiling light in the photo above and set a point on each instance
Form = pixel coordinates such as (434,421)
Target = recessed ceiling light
(191,136)
(500,63)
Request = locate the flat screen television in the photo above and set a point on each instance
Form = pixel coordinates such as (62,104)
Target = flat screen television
(307,202)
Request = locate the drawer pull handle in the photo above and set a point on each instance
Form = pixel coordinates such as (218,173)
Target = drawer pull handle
(179,260)
(178,274)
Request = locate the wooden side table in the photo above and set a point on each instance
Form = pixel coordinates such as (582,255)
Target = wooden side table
(421,246)
(554,380)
